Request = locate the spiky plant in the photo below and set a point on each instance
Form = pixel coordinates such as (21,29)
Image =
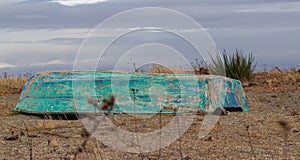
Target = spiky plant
(217,67)
(236,66)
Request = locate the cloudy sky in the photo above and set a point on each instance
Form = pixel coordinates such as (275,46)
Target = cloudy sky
(37,35)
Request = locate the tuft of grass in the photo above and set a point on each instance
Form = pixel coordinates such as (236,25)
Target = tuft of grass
(239,66)
(236,66)
(163,69)
(10,84)
(197,68)
(217,67)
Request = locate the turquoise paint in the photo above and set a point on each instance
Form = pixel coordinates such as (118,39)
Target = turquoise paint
(66,92)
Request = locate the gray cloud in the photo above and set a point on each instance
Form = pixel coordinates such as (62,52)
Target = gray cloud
(42,14)
(42,32)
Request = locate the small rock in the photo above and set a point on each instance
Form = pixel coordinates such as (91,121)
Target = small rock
(220,111)
(294,113)
(210,138)
(245,84)
(284,124)
(54,143)
(295,130)
(11,138)
(102,145)
(187,158)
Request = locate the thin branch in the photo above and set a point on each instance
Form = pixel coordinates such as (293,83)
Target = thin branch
(30,143)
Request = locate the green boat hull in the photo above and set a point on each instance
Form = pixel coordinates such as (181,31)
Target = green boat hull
(67,92)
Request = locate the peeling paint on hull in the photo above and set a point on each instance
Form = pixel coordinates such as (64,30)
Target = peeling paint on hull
(67,92)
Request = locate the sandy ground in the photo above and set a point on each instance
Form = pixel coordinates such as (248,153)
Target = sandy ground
(250,135)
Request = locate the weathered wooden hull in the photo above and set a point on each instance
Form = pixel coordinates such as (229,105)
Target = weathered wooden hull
(67,92)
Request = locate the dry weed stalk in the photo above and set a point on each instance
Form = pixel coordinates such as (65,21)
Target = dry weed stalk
(179,140)
(160,136)
(250,142)
(134,92)
(286,128)
(29,139)
(107,107)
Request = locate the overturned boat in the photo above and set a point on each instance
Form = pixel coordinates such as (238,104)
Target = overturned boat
(68,92)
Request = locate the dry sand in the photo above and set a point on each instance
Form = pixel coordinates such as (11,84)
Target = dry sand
(255,134)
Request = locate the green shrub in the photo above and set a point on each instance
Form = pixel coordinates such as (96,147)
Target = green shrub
(236,66)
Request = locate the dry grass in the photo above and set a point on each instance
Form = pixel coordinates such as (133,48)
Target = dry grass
(275,81)
(278,77)
(10,84)
(171,70)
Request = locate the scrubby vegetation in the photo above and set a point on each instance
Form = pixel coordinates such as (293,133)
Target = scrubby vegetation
(239,66)
(236,65)
(156,68)
(10,84)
